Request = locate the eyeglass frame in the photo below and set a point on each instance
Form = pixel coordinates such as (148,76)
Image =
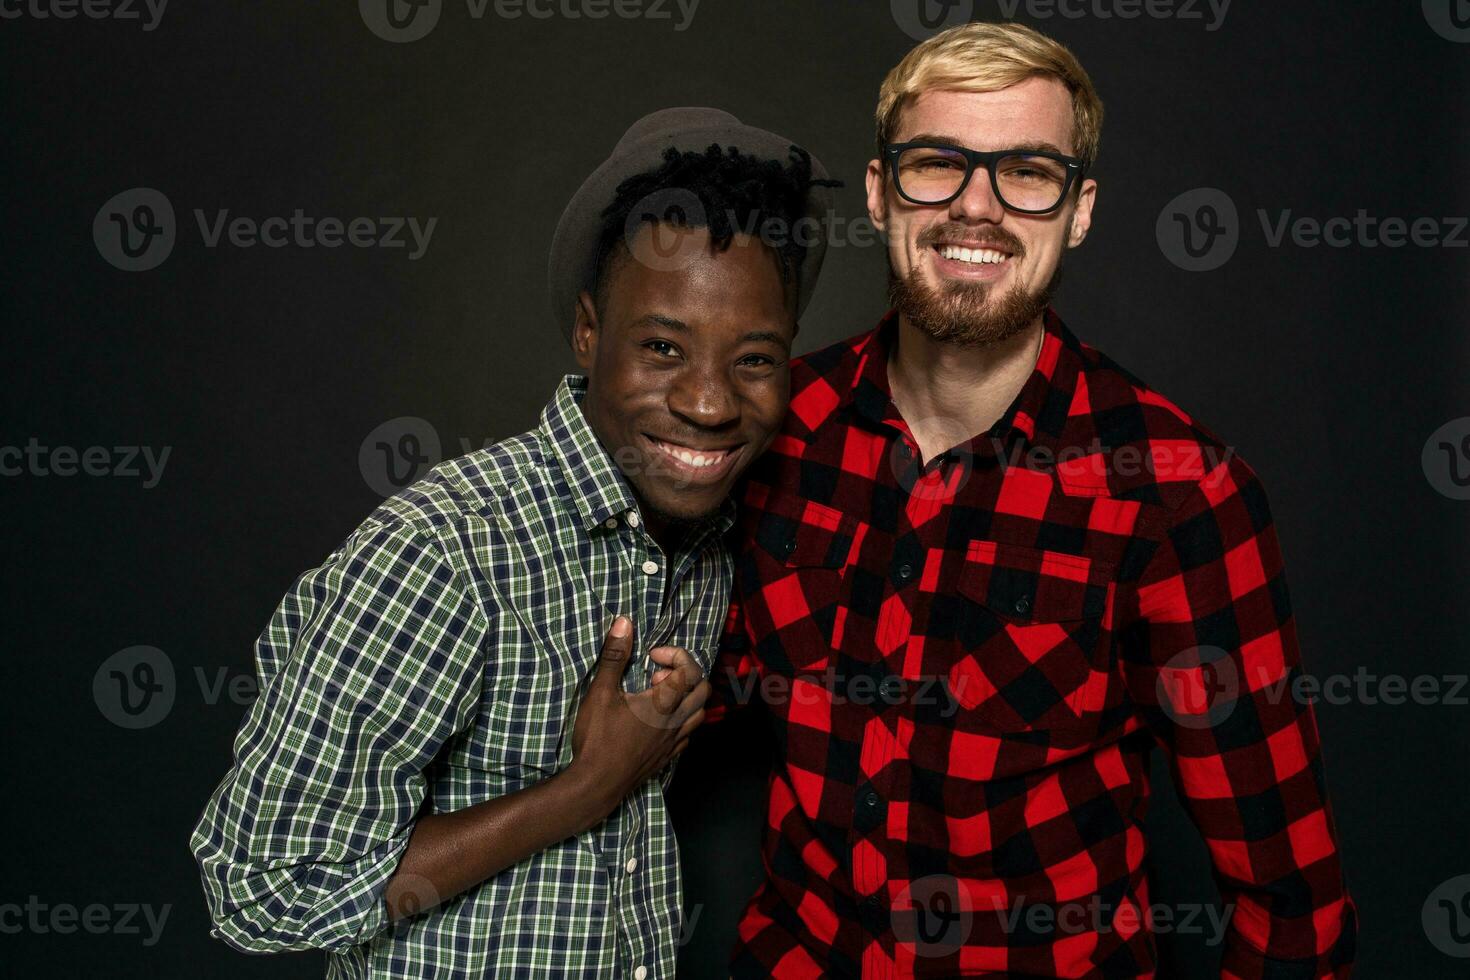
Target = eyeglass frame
(986,159)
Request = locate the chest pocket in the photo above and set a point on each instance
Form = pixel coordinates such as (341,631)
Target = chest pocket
(1034,633)
(540,678)
(803,552)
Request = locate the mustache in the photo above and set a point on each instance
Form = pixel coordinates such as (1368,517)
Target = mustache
(957,234)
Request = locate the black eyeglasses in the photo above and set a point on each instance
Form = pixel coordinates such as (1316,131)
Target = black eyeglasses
(1028,181)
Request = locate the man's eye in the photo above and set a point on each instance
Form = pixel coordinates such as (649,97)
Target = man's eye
(756,360)
(662,347)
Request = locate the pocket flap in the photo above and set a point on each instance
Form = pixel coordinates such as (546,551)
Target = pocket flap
(1034,585)
(809,535)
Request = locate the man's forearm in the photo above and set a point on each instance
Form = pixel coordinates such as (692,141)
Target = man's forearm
(450,852)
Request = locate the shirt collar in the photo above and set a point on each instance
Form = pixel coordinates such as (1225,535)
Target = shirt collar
(1037,413)
(597,488)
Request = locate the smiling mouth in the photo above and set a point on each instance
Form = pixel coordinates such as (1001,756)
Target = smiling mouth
(972,254)
(695,464)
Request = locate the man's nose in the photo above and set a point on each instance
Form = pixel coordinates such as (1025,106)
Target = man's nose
(703,396)
(977,202)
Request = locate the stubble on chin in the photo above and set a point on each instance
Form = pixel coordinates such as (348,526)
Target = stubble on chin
(964,313)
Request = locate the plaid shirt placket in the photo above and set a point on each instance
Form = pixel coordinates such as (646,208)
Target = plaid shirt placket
(437,658)
(1061,595)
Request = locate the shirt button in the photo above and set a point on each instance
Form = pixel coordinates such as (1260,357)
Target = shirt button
(907,452)
(1023,605)
(905,571)
(633,518)
(872,902)
(650,568)
(641,973)
(870,799)
(611,522)
(631,866)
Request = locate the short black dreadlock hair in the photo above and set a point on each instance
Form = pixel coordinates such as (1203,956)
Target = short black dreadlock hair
(737,192)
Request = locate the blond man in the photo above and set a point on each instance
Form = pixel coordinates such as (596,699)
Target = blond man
(984,572)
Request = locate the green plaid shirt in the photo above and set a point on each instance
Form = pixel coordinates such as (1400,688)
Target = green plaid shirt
(436,660)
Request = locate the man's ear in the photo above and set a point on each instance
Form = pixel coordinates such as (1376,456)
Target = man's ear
(585,331)
(1082,215)
(877,204)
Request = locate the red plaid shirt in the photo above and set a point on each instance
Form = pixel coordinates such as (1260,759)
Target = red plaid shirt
(966,665)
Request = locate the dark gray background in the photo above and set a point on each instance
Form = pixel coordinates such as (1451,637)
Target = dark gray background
(265,369)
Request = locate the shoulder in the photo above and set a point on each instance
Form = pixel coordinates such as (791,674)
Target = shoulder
(818,380)
(1126,439)
(475,488)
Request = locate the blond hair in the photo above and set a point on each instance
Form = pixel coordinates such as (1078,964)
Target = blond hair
(984,57)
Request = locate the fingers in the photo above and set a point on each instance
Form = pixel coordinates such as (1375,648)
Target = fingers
(691,724)
(692,702)
(668,695)
(617,647)
(668,659)
(673,660)
(667,656)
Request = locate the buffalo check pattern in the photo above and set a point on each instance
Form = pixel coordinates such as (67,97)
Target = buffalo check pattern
(434,661)
(968,660)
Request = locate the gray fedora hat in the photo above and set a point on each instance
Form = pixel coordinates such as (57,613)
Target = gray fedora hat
(574,246)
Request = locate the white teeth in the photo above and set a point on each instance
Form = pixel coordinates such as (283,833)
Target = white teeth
(690,457)
(980,256)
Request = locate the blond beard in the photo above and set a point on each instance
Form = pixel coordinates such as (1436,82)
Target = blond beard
(962,313)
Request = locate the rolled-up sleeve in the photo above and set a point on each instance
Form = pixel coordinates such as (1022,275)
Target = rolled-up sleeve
(369,666)
(1212,659)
